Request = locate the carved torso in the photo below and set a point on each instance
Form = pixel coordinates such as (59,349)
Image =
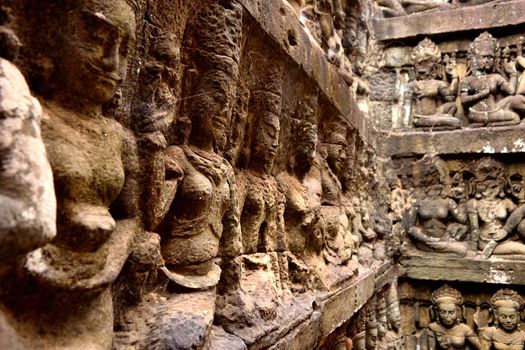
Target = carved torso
(451,338)
(203,197)
(496,339)
(85,155)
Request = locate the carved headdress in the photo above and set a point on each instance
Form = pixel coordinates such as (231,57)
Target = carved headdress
(485,40)
(446,294)
(507,298)
(426,50)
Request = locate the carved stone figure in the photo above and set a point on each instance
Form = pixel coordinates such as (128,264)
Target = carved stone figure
(371,334)
(507,306)
(357,330)
(433,103)
(480,89)
(27,198)
(303,191)
(205,204)
(93,163)
(488,211)
(393,339)
(262,205)
(428,221)
(448,330)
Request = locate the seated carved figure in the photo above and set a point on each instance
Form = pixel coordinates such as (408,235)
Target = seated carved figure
(428,220)
(488,213)
(481,89)
(507,306)
(396,8)
(432,100)
(448,331)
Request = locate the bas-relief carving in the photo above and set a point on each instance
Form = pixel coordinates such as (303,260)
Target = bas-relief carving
(507,306)
(478,322)
(475,213)
(480,89)
(92,159)
(428,221)
(489,91)
(396,8)
(377,324)
(275,236)
(27,199)
(448,331)
(433,100)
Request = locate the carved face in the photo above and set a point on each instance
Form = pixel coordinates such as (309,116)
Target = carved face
(490,189)
(211,107)
(507,318)
(394,317)
(336,156)
(424,69)
(267,139)
(371,338)
(307,148)
(448,314)
(483,57)
(95,44)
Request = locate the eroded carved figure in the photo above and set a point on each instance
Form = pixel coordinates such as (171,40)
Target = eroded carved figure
(433,100)
(428,221)
(205,205)
(489,212)
(93,163)
(480,90)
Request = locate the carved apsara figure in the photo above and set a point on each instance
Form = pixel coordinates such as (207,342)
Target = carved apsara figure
(303,190)
(93,160)
(489,211)
(433,103)
(448,330)
(507,306)
(428,222)
(205,204)
(262,204)
(481,88)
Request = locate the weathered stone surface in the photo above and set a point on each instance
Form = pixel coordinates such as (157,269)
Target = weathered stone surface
(304,336)
(480,140)
(438,268)
(219,339)
(27,199)
(492,15)
(337,309)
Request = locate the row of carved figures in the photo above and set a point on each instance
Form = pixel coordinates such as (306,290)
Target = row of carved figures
(448,329)
(376,326)
(466,211)
(491,94)
(476,212)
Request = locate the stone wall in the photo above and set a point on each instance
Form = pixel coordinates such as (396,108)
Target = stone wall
(214,184)
(452,127)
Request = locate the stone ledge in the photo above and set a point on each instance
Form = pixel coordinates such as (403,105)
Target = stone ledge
(481,140)
(492,15)
(335,309)
(277,19)
(440,267)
